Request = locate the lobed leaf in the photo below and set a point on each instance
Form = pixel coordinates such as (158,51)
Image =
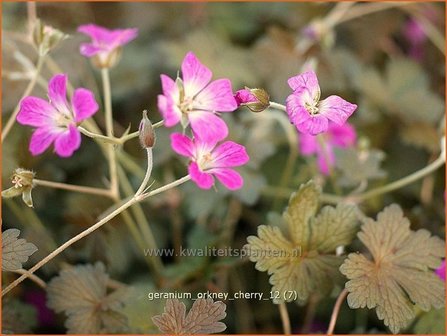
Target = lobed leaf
(15,251)
(81,292)
(400,275)
(202,318)
(299,253)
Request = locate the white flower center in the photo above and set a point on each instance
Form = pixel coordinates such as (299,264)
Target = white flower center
(205,161)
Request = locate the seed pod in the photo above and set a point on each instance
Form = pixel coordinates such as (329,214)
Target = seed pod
(146,132)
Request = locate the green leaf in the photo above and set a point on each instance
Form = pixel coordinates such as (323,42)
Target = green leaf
(202,318)
(358,166)
(18,317)
(82,293)
(401,272)
(431,323)
(300,253)
(15,251)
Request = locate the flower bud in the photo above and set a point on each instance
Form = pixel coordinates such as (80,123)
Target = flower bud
(22,181)
(46,37)
(256,100)
(146,132)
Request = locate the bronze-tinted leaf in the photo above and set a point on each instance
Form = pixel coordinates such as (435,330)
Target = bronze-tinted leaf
(202,318)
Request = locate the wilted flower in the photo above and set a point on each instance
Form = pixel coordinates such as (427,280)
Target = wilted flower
(105,47)
(307,112)
(194,100)
(46,37)
(256,100)
(207,160)
(22,181)
(56,120)
(336,136)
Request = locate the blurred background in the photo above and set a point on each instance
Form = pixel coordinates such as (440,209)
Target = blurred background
(387,58)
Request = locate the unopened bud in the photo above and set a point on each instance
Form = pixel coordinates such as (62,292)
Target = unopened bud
(146,132)
(46,37)
(256,100)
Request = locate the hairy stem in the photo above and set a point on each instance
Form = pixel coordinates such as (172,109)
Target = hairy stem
(336,310)
(135,199)
(72,187)
(285,318)
(11,121)
(32,277)
(114,189)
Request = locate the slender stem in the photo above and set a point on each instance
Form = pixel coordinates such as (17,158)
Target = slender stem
(369,8)
(168,186)
(32,277)
(292,139)
(135,199)
(310,313)
(148,171)
(104,138)
(32,15)
(130,136)
(29,88)
(72,187)
(336,310)
(278,106)
(109,132)
(439,162)
(144,227)
(285,318)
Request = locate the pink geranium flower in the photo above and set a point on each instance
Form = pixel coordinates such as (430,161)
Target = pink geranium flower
(207,160)
(106,44)
(55,121)
(440,271)
(336,136)
(195,100)
(307,112)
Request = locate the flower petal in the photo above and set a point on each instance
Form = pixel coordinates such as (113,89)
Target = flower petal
(342,136)
(95,32)
(306,80)
(229,154)
(228,177)
(308,144)
(314,125)
(195,75)
(170,113)
(84,104)
(182,145)
(41,140)
(216,97)
(336,109)
(244,96)
(203,180)
(207,126)
(67,142)
(295,107)
(36,112)
(89,49)
(326,158)
(57,92)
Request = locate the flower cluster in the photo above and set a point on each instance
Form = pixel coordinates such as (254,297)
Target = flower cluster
(194,100)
